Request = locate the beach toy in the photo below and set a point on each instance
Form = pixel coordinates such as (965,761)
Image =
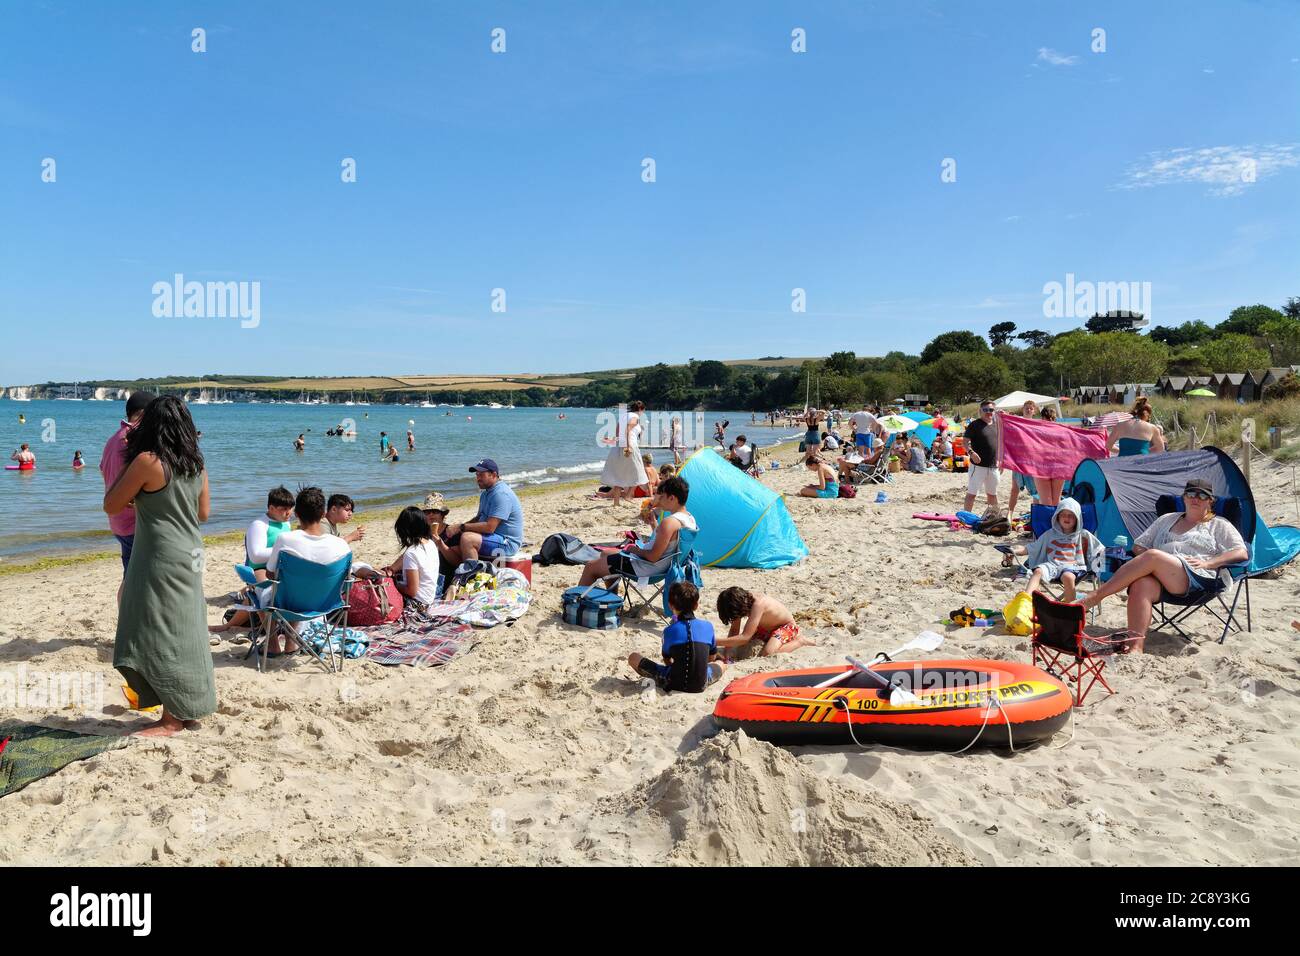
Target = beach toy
(133,701)
(944,704)
(881,497)
(974,616)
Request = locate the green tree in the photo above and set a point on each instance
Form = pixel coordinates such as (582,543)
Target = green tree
(711,374)
(1107,358)
(966,376)
(1120,321)
(880,387)
(1247,320)
(1188,360)
(960,341)
(842,363)
(1233,353)
(1282,338)
(1189,333)
(838,391)
(1036,338)
(664,386)
(1001,333)
(1292,308)
(1288,386)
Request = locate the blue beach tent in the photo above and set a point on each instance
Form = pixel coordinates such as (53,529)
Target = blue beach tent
(743,523)
(1124,492)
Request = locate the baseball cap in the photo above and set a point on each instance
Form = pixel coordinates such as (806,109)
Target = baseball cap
(1199,485)
(433,502)
(137,401)
(487,464)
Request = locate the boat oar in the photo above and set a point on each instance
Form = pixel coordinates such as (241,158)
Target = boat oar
(925,641)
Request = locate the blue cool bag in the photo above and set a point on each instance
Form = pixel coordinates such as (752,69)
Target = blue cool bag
(592,607)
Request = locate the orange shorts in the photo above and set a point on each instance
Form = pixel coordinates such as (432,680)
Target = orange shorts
(785,634)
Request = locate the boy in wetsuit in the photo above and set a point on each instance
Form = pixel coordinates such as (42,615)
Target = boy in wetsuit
(759,618)
(688,645)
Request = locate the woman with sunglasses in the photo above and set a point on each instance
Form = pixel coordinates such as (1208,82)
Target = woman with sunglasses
(1180,553)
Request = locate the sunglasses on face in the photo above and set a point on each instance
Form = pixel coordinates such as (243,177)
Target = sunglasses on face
(986,411)
(1199,495)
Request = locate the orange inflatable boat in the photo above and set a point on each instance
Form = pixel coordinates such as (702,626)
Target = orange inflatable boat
(929,704)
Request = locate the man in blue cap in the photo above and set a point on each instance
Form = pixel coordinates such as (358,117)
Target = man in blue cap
(497,529)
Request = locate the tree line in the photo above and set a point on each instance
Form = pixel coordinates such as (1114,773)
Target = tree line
(962,366)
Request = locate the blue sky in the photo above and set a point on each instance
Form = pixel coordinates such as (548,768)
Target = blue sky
(522,171)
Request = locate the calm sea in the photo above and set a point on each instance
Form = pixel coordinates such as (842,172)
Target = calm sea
(249,450)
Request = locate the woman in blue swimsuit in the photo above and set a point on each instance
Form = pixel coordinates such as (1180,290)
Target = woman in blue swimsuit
(1140,436)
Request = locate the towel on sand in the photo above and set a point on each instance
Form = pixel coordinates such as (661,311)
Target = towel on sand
(423,645)
(31,751)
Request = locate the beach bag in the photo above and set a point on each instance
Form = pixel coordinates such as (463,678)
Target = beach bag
(687,570)
(561,548)
(591,607)
(847,490)
(996,525)
(1018,615)
(374,601)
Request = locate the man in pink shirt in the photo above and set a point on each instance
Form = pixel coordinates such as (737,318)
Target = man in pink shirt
(112,463)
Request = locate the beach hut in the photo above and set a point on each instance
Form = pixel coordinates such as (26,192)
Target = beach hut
(743,523)
(1174,386)
(1228,385)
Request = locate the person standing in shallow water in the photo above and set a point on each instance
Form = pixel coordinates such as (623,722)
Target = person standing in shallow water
(161,647)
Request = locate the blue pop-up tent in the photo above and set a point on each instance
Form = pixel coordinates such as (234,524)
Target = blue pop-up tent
(743,523)
(1124,492)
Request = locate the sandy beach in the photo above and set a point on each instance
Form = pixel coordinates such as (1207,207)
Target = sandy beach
(540,746)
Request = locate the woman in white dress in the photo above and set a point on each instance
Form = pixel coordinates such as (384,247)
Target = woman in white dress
(623,469)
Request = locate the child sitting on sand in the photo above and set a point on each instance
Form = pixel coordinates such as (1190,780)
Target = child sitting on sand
(761,619)
(688,645)
(1066,552)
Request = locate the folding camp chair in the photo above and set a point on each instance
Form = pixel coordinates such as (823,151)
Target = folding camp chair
(1059,636)
(1241,513)
(1054,587)
(648,594)
(304,590)
(255,592)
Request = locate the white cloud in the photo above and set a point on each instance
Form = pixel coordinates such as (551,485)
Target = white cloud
(1048,55)
(1010,218)
(1207,69)
(1226,170)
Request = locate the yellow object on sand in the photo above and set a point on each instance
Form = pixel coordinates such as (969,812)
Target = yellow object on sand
(134,701)
(1018,615)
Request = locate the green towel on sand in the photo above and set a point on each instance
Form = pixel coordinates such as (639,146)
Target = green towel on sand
(33,751)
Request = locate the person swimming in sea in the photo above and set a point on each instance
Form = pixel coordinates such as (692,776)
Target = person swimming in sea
(77,460)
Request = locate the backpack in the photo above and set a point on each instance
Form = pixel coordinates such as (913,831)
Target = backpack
(374,601)
(687,570)
(996,525)
(847,490)
(561,548)
(591,607)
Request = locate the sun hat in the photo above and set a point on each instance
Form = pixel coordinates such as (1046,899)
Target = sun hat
(433,502)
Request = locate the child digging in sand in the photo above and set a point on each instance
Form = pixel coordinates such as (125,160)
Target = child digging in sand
(688,645)
(759,618)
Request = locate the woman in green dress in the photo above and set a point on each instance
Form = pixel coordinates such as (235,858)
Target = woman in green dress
(162,635)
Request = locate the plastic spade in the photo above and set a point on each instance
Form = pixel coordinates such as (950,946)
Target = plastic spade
(925,641)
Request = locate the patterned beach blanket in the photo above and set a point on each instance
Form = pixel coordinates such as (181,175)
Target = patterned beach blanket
(427,644)
(30,751)
(486,608)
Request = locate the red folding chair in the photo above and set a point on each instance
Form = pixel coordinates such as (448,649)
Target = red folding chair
(1060,646)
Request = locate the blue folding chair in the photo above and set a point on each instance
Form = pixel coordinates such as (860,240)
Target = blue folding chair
(1241,513)
(304,590)
(1040,518)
